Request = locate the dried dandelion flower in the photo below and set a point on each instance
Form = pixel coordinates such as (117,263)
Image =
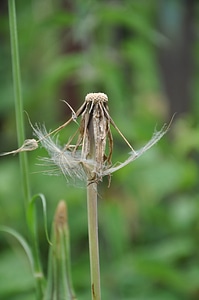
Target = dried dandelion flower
(87,158)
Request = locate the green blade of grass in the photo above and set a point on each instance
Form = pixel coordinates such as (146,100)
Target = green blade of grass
(39,280)
(31,215)
(18,97)
(22,242)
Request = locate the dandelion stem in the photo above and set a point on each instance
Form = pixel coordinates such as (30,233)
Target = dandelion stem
(93,240)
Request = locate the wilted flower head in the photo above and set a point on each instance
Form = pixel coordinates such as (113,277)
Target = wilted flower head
(89,157)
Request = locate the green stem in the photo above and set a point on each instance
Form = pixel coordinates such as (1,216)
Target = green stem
(93,240)
(21,137)
(18,97)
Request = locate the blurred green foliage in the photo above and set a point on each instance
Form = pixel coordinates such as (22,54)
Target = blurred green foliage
(149,217)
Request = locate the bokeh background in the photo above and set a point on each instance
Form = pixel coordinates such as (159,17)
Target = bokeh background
(145,56)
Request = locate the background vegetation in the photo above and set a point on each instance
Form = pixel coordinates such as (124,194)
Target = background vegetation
(144,55)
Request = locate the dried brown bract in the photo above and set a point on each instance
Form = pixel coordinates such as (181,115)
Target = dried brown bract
(94,132)
(88,153)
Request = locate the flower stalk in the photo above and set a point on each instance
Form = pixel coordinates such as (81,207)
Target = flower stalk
(93,240)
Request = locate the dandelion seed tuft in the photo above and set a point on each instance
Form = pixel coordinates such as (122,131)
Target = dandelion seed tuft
(69,163)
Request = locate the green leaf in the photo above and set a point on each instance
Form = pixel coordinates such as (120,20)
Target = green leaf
(17,282)
(31,215)
(21,241)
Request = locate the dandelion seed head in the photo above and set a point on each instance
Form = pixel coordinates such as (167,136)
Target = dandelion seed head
(29,145)
(75,161)
(96,97)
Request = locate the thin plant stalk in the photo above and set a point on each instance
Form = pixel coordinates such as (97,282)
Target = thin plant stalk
(92,212)
(21,137)
(18,97)
(93,240)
